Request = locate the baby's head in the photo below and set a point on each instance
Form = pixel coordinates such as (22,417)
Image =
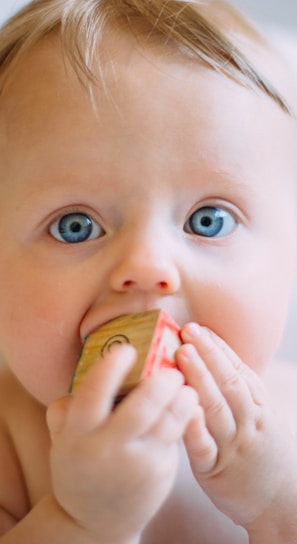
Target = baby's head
(147,161)
(211,32)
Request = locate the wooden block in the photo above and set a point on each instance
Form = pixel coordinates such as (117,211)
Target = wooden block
(154,334)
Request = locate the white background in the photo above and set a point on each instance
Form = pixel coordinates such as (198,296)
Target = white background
(283,12)
(7,7)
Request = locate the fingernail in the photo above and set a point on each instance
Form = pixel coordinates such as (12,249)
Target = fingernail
(192,330)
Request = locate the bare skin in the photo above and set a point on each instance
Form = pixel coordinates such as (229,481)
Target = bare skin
(187,513)
(73,470)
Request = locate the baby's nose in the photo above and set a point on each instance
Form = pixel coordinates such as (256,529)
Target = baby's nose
(146,269)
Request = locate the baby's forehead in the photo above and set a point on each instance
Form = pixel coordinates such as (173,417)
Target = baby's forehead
(209,32)
(130,67)
(121,41)
(44,70)
(153,98)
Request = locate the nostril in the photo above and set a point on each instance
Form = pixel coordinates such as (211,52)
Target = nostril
(136,274)
(163,284)
(128,283)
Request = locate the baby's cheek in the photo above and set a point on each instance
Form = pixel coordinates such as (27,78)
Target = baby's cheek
(43,363)
(255,337)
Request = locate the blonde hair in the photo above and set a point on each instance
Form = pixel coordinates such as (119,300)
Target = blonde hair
(185,25)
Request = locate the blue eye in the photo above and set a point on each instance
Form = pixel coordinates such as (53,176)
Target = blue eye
(74,228)
(211,222)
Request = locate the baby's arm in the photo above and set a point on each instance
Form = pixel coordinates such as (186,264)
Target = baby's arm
(242,452)
(111,470)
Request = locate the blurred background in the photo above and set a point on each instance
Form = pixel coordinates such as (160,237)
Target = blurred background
(283,12)
(277,14)
(7,7)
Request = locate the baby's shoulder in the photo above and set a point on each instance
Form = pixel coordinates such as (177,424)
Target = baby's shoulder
(13,397)
(13,496)
(24,446)
(20,414)
(281,372)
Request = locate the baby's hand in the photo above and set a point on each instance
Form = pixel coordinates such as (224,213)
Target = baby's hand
(112,469)
(241,454)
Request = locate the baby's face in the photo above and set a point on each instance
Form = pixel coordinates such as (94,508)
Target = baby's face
(177,194)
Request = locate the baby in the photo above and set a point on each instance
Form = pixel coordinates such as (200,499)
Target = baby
(148,161)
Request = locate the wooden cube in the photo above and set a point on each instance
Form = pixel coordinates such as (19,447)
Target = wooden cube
(154,334)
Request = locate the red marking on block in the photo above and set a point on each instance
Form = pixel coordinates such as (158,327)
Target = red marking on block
(154,334)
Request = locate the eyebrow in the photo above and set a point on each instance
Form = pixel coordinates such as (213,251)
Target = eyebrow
(226,181)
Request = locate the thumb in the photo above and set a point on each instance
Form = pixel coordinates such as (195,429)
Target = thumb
(56,415)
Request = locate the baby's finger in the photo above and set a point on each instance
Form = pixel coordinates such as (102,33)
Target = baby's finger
(229,377)
(218,414)
(93,399)
(144,406)
(209,343)
(201,447)
(255,385)
(175,418)
(56,415)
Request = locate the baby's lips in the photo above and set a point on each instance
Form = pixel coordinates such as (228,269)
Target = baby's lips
(154,334)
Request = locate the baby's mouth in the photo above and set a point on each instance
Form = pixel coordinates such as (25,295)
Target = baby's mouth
(154,334)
